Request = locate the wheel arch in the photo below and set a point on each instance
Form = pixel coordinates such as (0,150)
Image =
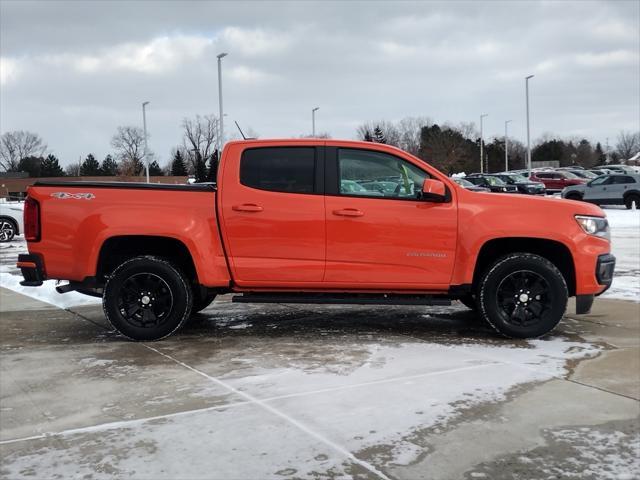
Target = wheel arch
(116,250)
(556,252)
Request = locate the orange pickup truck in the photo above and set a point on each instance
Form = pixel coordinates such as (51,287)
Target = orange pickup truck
(315,221)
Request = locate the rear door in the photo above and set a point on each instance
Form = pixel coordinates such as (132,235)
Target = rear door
(273,214)
(394,240)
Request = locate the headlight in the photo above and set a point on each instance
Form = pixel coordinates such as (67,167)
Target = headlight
(597,226)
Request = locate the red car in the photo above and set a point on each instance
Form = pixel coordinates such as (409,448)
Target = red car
(555,181)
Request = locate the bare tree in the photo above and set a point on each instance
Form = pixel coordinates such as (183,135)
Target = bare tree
(129,145)
(628,144)
(409,131)
(14,146)
(201,135)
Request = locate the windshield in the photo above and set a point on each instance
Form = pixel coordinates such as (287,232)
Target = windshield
(568,174)
(518,178)
(463,182)
(495,181)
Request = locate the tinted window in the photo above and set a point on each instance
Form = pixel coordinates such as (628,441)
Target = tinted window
(375,174)
(289,169)
(476,180)
(543,175)
(623,179)
(604,180)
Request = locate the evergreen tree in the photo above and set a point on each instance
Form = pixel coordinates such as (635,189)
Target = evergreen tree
(367,136)
(49,167)
(601,157)
(155,170)
(90,167)
(201,168)
(212,175)
(178,167)
(31,165)
(378,135)
(109,167)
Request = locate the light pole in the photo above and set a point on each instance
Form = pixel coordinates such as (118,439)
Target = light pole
(313,121)
(526,83)
(506,146)
(144,127)
(221,136)
(481,141)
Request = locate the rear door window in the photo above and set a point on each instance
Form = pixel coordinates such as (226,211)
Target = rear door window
(279,169)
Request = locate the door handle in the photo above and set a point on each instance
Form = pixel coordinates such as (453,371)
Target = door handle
(247,207)
(349,212)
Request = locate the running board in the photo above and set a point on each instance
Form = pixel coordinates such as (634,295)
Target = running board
(343,299)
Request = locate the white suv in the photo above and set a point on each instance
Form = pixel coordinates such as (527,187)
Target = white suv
(10,219)
(615,189)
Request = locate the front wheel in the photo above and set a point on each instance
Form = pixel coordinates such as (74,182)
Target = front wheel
(523,295)
(574,196)
(147,298)
(7,230)
(630,200)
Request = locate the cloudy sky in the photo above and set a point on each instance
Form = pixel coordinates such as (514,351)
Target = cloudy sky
(73,71)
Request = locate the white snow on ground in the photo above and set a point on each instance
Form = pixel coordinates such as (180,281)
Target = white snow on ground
(625,244)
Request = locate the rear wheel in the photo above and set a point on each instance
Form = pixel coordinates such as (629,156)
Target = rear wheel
(631,199)
(7,230)
(147,298)
(523,295)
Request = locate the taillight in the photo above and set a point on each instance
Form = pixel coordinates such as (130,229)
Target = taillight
(31,220)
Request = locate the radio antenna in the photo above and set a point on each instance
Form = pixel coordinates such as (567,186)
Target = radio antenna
(243,137)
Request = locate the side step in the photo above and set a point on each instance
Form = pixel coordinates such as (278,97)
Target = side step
(343,298)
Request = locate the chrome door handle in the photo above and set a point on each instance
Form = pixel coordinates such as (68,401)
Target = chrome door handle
(247,207)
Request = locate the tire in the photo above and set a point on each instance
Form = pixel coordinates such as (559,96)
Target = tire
(469,301)
(8,229)
(574,196)
(522,296)
(147,298)
(202,298)
(629,199)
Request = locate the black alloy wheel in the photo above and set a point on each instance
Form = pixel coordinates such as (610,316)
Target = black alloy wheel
(147,298)
(522,295)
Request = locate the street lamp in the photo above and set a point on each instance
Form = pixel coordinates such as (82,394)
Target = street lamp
(526,83)
(481,141)
(221,136)
(144,127)
(313,121)
(506,146)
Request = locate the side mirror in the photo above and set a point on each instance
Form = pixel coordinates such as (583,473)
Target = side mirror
(434,190)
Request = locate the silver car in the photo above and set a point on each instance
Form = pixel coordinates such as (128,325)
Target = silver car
(616,189)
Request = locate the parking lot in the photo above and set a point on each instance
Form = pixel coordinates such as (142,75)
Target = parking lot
(330,392)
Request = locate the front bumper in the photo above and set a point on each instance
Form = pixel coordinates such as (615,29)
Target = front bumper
(605,267)
(604,270)
(32,270)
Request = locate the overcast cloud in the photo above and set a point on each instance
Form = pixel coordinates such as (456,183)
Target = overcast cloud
(74,71)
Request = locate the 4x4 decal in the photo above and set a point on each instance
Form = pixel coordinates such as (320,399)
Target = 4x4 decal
(74,196)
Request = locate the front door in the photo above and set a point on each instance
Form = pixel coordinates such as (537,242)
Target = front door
(599,189)
(379,233)
(273,215)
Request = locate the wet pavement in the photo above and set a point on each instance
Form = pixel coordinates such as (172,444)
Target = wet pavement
(279,391)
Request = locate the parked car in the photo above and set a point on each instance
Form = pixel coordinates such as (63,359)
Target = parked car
(277,228)
(522,183)
(616,189)
(617,168)
(555,181)
(493,183)
(582,173)
(10,220)
(468,185)
(571,168)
